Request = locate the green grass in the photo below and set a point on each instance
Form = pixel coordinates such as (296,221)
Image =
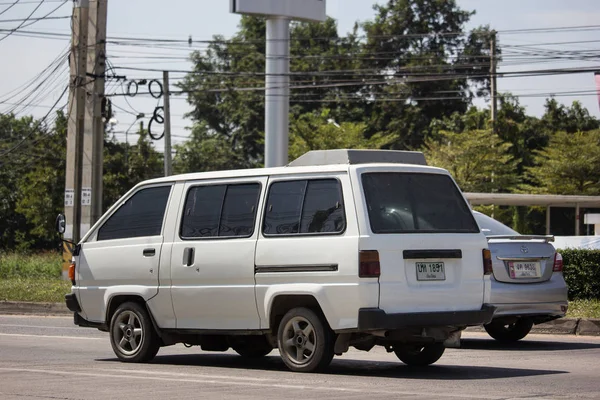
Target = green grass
(42,290)
(44,265)
(32,277)
(584,309)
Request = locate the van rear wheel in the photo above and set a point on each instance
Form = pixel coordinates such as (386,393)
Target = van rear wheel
(132,335)
(512,332)
(305,341)
(419,355)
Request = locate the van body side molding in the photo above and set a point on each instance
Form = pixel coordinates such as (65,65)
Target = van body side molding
(265,269)
(437,254)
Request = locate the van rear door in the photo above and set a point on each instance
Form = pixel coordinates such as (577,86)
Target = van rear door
(430,247)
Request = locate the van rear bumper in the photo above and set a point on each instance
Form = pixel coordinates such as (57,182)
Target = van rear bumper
(376,319)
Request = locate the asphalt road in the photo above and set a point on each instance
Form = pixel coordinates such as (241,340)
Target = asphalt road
(50,358)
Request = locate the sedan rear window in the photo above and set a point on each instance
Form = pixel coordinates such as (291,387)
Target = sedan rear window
(416,202)
(491,227)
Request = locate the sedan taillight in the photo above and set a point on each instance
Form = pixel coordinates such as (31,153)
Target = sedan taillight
(487,262)
(558,263)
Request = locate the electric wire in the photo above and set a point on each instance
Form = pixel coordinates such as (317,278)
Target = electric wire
(10,5)
(22,23)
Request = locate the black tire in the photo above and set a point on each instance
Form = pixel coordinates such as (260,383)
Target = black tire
(305,341)
(252,346)
(419,355)
(132,335)
(508,333)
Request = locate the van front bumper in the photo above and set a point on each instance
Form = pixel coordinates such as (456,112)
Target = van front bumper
(370,319)
(72,303)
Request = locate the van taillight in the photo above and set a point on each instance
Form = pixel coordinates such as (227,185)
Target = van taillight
(487,262)
(72,272)
(368,264)
(558,263)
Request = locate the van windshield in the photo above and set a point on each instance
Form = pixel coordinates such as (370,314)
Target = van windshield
(401,202)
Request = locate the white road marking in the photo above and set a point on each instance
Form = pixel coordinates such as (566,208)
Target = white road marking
(181,374)
(50,337)
(236,381)
(39,326)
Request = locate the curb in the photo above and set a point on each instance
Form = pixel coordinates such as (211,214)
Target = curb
(26,308)
(561,326)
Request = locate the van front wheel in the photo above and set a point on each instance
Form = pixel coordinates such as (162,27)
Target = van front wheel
(419,355)
(305,341)
(132,335)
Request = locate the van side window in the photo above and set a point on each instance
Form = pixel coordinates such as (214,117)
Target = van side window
(141,215)
(323,211)
(239,210)
(202,211)
(304,207)
(220,211)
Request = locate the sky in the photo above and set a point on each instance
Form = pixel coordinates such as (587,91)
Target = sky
(22,58)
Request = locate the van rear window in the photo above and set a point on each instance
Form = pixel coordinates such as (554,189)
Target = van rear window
(401,202)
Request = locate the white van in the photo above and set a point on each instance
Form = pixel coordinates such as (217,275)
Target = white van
(340,248)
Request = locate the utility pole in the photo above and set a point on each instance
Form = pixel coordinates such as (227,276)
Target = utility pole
(93,142)
(76,115)
(493,85)
(75,126)
(167,105)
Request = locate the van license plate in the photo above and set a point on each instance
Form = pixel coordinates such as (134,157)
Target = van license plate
(431,271)
(524,270)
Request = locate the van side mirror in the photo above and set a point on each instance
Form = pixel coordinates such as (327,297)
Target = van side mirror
(61,223)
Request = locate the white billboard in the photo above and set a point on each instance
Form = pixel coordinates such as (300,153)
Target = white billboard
(305,10)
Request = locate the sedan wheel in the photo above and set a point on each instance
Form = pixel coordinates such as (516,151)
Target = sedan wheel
(513,332)
(419,354)
(252,346)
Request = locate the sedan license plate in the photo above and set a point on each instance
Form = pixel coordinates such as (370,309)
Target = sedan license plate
(525,269)
(431,271)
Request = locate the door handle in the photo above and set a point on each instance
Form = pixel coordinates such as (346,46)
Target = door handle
(188,256)
(149,252)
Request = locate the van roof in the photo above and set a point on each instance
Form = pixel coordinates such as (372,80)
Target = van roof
(287,170)
(356,156)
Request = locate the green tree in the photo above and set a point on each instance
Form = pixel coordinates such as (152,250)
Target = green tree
(432,66)
(576,118)
(41,188)
(15,160)
(204,152)
(570,165)
(125,166)
(478,160)
(314,131)
(31,180)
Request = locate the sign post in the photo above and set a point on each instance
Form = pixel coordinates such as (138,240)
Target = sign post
(279,13)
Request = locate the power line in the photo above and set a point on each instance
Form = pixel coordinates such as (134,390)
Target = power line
(185,41)
(34,19)
(30,2)
(10,5)
(22,23)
